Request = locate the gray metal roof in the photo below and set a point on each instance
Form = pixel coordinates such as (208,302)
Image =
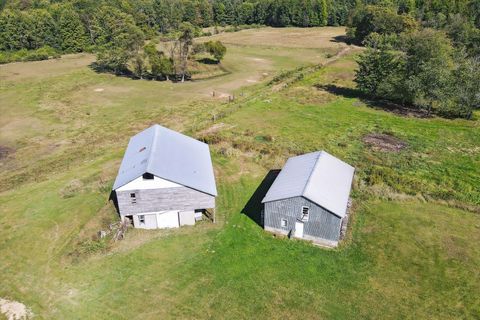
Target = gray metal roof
(317,176)
(169,155)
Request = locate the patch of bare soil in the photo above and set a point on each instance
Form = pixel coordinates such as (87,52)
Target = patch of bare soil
(220,95)
(337,56)
(14,310)
(5,151)
(384,142)
(400,110)
(215,128)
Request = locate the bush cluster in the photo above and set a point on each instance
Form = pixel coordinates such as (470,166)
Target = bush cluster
(42,53)
(411,63)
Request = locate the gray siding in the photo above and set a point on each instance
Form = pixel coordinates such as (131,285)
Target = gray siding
(321,223)
(163,199)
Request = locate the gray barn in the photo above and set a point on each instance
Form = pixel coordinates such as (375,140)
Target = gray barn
(309,198)
(165,180)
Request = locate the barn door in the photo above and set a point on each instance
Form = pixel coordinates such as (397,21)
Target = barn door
(298,229)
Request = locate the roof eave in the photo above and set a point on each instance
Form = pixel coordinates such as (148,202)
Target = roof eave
(330,211)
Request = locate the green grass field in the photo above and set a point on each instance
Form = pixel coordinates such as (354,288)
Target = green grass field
(411,250)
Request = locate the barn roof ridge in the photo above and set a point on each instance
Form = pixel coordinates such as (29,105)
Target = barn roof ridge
(317,176)
(169,155)
(311,172)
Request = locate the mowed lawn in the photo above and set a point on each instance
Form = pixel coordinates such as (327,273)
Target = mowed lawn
(412,250)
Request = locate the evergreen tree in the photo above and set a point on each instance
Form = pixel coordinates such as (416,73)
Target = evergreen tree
(72,33)
(13,30)
(219,13)
(380,69)
(323,20)
(42,30)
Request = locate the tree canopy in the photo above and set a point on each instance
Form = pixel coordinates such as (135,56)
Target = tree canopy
(422,69)
(71,25)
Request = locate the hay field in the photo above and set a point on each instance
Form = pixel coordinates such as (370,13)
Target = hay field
(412,249)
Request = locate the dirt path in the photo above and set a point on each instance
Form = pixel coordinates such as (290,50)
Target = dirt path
(343,52)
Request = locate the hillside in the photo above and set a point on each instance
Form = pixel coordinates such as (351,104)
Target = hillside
(411,250)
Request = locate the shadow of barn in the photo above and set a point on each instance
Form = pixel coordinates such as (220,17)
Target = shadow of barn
(254,207)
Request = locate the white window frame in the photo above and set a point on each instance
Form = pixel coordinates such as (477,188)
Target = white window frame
(141,219)
(283,223)
(305,216)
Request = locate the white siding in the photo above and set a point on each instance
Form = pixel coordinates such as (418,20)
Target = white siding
(187,218)
(157,220)
(143,184)
(168,219)
(150,221)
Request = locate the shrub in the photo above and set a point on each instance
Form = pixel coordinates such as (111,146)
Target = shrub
(42,53)
(216,49)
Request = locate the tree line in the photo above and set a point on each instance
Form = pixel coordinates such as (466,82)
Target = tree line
(79,25)
(431,64)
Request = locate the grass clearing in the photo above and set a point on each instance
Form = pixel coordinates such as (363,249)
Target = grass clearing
(412,249)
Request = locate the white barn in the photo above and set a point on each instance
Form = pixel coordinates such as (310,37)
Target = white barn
(165,180)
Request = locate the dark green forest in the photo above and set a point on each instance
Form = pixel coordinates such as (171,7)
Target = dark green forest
(79,25)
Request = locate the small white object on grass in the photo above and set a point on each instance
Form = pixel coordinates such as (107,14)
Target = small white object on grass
(14,310)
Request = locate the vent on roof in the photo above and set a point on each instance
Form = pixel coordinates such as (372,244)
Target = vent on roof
(147,176)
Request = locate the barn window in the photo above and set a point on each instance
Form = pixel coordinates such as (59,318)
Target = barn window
(141,219)
(147,176)
(283,223)
(132,195)
(305,213)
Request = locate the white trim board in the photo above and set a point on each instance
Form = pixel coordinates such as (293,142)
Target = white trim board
(156,183)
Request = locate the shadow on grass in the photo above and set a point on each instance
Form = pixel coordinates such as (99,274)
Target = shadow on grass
(114,199)
(384,105)
(130,75)
(254,207)
(98,68)
(341,91)
(208,61)
(341,39)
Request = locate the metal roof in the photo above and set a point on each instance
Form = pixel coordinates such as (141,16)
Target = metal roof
(169,155)
(317,176)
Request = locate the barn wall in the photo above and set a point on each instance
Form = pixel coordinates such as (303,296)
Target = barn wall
(150,221)
(321,223)
(154,200)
